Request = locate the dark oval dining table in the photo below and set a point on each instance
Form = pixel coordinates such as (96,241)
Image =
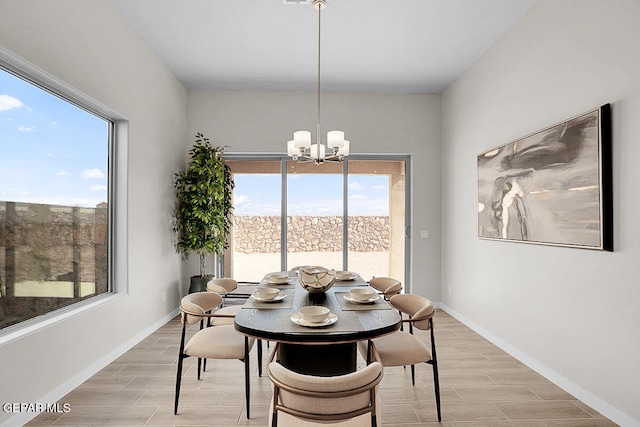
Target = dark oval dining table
(325,350)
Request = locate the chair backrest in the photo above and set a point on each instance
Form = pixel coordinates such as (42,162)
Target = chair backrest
(222,285)
(195,305)
(325,398)
(418,307)
(387,285)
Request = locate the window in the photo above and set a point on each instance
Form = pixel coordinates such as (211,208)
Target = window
(55,221)
(315,215)
(350,215)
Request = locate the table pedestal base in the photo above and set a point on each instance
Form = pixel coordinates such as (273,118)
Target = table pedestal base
(319,360)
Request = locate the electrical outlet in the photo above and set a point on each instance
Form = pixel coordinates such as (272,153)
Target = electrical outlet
(424,234)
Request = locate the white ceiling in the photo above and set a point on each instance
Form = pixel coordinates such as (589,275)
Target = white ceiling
(389,46)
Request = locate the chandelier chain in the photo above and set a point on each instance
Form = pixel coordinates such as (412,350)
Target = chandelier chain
(319,38)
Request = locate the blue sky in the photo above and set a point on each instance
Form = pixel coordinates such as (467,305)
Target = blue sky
(51,152)
(311,194)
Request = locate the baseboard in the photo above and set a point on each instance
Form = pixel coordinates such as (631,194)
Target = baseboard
(570,387)
(59,392)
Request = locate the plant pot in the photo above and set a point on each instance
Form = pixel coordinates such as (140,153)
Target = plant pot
(199,283)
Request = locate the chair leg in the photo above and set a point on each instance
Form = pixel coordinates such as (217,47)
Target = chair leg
(199,367)
(434,363)
(247,383)
(436,385)
(178,381)
(204,363)
(181,357)
(413,375)
(274,402)
(260,358)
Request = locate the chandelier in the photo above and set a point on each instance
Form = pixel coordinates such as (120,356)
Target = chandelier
(300,147)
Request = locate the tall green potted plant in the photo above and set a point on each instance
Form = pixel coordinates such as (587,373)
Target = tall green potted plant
(202,217)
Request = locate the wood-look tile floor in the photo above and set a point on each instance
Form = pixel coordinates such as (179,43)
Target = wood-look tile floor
(481,386)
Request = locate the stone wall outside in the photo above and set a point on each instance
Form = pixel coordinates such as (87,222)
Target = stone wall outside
(46,240)
(261,234)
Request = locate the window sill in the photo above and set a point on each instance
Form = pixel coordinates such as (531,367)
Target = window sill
(28,327)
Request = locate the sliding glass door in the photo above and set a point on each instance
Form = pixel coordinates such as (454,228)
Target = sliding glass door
(347,216)
(255,238)
(315,212)
(377,218)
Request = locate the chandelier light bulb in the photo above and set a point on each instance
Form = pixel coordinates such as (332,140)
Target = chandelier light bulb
(335,139)
(314,154)
(344,151)
(302,139)
(291,149)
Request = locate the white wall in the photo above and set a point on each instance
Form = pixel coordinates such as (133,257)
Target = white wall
(374,123)
(571,313)
(87,46)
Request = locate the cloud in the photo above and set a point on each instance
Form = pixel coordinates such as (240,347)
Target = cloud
(240,199)
(356,186)
(98,188)
(26,129)
(358,196)
(63,173)
(9,103)
(91,174)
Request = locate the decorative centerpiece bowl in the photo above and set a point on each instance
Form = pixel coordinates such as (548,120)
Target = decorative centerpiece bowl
(316,279)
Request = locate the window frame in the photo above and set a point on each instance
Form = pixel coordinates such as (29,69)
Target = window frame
(282,158)
(118,126)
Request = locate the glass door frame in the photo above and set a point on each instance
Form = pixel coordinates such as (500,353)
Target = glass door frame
(283,159)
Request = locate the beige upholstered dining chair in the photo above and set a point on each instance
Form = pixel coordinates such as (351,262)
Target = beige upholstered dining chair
(386,286)
(403,348)
(223,286)
(324,399)
(226,314)
(213,342)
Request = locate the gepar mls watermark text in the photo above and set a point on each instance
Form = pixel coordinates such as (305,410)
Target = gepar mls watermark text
(16,408)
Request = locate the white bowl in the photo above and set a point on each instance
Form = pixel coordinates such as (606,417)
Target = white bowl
(342,275)
(278,278)
(267,293)
(314,313)
(362,294)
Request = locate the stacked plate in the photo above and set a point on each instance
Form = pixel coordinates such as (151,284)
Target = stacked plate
(362,296)
(345,275)
(267,294)
(314,316)
(278,278)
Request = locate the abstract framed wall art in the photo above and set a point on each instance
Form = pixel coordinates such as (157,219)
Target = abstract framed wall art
(553,187)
